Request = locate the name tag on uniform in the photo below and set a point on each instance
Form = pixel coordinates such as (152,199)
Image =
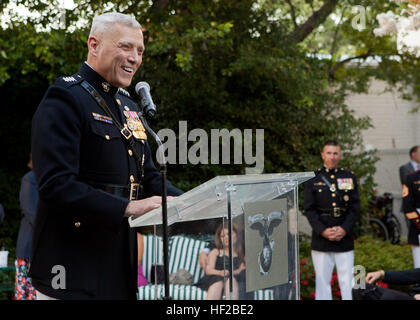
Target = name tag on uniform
(345,184)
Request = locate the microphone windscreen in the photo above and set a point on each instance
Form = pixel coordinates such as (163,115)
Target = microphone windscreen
(140,85)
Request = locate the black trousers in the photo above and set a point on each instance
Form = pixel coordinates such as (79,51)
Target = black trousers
(373,292)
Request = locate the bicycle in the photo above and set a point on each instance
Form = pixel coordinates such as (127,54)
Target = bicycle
(383,223)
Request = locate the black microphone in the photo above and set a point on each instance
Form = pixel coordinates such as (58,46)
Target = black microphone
(143,90)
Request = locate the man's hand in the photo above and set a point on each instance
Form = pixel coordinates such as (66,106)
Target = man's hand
(373,276)
(340,233)
(329,234)
(137,208)
(334,233)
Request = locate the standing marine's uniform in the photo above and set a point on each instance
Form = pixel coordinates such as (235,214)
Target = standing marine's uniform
(411,202)
(86,173)
(331,198)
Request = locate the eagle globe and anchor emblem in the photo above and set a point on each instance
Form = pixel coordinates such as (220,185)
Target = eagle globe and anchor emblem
(265,226)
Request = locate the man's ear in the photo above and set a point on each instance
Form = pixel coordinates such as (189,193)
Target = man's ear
(93,44)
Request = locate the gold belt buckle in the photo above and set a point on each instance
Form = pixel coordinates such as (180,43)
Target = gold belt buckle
(336,212)
(134,191)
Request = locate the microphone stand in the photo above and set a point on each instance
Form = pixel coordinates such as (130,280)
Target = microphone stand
(163,171)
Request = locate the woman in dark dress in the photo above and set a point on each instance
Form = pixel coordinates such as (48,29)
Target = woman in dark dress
(217,270)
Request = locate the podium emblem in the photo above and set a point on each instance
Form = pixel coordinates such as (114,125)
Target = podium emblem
(265,226)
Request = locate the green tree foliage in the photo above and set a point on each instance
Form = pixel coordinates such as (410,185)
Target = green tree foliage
(215,64)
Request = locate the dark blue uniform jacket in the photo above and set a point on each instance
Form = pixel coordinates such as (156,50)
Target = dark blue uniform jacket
(79,226)
(338,205)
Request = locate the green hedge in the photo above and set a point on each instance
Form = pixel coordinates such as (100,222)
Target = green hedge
(374,255)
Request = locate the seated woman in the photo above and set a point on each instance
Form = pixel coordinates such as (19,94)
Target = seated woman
(216,279)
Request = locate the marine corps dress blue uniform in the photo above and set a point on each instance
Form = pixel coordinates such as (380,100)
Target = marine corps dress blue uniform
(331,199)
(85,169)
(411,206)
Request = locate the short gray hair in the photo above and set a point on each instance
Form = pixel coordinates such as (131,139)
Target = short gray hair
(106,21)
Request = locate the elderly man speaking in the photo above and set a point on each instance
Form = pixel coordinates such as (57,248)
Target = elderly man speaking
(94,169)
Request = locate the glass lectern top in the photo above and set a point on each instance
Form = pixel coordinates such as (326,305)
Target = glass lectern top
(209,200)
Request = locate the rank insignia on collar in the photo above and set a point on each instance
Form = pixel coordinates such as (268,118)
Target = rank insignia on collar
(123,91)
(102,118)
(106,86)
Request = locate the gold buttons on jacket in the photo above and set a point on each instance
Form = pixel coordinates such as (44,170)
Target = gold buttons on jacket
(332,176)
(130,152)
(333,195)
(107,137)
(77,224)
(131,178)
(334,204)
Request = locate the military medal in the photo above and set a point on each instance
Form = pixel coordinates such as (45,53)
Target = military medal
(135,125)
(345,184)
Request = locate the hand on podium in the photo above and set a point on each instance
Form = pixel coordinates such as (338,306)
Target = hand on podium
(137,208)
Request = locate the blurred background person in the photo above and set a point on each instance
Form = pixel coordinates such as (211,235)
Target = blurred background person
(411,207)
(28,203)
(399,277)
(411,166)
(406,169)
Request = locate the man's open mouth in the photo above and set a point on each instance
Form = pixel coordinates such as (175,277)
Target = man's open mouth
(127,69)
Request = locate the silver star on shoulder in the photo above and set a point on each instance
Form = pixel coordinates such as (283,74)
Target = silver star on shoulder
(69,79)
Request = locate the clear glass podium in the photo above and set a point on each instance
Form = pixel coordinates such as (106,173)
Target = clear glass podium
(256,246)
